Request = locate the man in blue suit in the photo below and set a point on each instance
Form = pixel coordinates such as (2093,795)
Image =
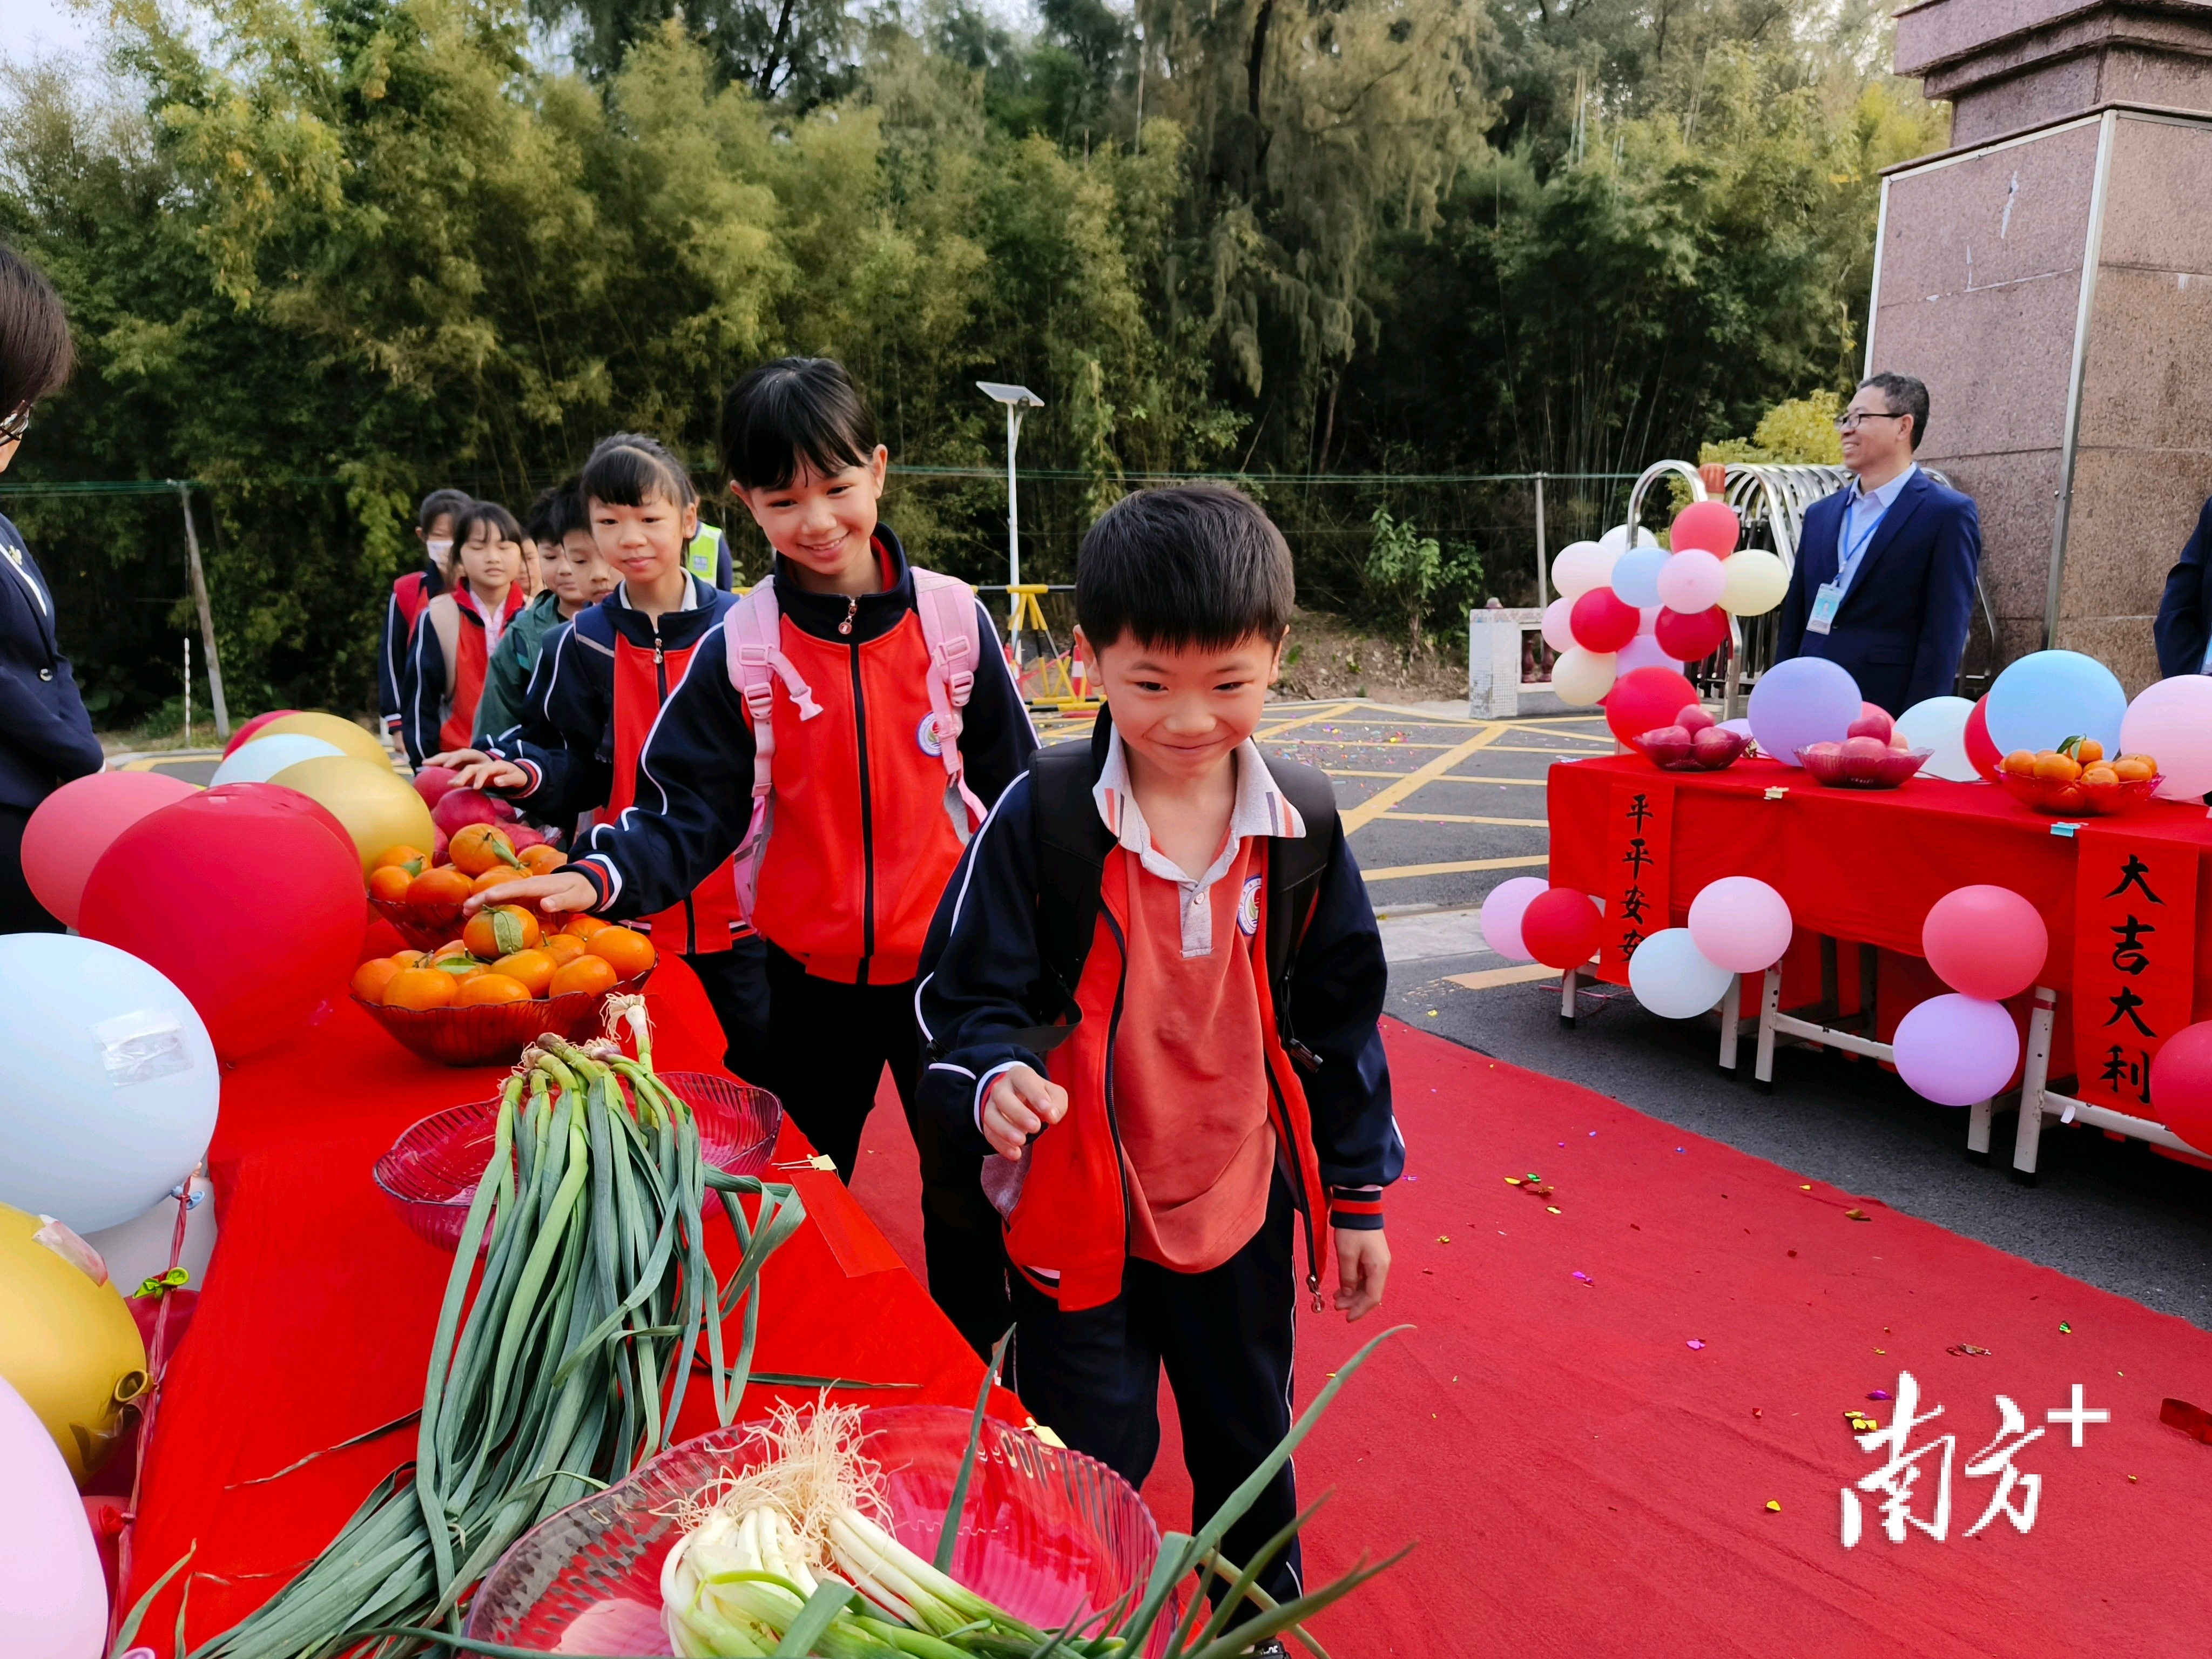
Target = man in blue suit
(2184,629)
(1884,583)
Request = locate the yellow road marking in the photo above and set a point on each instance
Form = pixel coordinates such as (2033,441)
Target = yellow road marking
(1382,743)
(1391,794)
(1492,976)
(1400,870)
(1460,817)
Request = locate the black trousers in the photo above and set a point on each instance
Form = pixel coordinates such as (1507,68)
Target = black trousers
(736,982)
(827,1046)
(1226,1337)
(20,912)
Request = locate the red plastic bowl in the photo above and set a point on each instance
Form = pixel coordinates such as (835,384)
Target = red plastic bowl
(2079,800)
(1896,767)
(430,1175)
(1046,1534)
(494,1033)
(1690,763)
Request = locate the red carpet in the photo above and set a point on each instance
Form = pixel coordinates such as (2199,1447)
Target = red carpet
(1584,1483)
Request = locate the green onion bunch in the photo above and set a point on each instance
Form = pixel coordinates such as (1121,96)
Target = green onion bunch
(567,1367)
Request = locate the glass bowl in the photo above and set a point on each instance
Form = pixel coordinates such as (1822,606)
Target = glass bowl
(495,1033)
(1826,767)
(2063,800)
(425,927)
(1046,1534)
(1688,762)
(430,1175)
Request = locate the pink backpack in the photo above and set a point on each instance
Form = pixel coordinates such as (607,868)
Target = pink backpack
(946,606)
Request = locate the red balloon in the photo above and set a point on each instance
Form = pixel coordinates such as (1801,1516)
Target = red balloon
(1985,942)
(1693,636)
(1980,749)
(1602,620)
(244,899)
(1644,699)
(245,734)
(1711,526)
(2181,1084)
(77,823)
(1560,928)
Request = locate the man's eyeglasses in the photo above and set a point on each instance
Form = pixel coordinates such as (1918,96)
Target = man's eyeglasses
(1850,420)
(13,427)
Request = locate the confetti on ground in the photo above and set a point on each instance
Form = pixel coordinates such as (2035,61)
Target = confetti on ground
(1551,1209)
(2065,1330)
(1856,1215)
(1967,1351)
(1807,1187)
(1880,1393)
(1443,1238)
(1678,1149)
(1696,1342)
(1755,1412)
(1585,1279)
(1774,1506)
(2131,1479)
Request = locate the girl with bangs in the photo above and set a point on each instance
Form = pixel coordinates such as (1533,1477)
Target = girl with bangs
(458,631)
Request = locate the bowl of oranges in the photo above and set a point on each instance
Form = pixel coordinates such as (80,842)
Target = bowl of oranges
(423,899)
(479,1000)
(2076,778)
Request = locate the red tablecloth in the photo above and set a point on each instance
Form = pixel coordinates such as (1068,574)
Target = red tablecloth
(320,1304)
(1863,866)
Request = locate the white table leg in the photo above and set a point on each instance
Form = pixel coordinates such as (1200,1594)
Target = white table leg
(1978,1130)
(2033,1082)
(1568,983)
(1770,1004)
(1731,1008)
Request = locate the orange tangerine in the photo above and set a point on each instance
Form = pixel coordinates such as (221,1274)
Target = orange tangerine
(413,860)
(563,948)
(585,926)
(2089,751)
(2056,768)
(586,973)
(498,876)
(500,929)
(442,885)
(476,848)
(627,950)
(420,987)
(372,976)
(2021,762)
(489,988)
(390,882)
(533,968)
(542,860)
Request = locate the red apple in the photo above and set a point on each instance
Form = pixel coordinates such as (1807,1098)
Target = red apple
(1665,745)
(459,807)
(1873,722)
(522,835)
(431,782)
(1863,758)
(1694,720)
(1713,748)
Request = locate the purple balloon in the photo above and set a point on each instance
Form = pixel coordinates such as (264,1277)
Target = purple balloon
(1806,700)
(1955,1050)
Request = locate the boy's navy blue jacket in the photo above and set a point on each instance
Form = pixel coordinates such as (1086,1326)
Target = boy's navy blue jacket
(696,773)
(985,982)
(45,736)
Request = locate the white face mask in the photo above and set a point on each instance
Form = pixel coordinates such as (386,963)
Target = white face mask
(439,547)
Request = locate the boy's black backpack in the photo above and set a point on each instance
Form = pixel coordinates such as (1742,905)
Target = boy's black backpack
(1072,843)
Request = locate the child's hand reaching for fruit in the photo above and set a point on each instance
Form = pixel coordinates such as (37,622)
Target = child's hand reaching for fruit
(563,889)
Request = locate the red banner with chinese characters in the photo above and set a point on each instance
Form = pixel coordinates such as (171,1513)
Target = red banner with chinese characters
(2135,957)
(1639,840)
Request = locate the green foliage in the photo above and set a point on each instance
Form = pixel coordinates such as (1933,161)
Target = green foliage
(1800,431)
(326,254)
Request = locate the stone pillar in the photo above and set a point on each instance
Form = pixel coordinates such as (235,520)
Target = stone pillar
(2049,277)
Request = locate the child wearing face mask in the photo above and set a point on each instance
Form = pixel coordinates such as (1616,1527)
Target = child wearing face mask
(842,731)
(454,638)
(434,529)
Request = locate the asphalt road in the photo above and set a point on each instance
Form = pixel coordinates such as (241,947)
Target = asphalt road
(1442,808)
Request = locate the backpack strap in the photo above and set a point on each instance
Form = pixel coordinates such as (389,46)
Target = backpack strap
(1295,865)
(1071,846)
(443,613)
(753,640)
(946,606)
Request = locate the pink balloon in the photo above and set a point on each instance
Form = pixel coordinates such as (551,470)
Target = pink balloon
(1711,527)
(53,1595)
(1501,911)
(1559,631)
(1692,581)
(1741,924)
(2181,1084)
(1956,1050)
(76,825)
(1601,621)
(1984,942)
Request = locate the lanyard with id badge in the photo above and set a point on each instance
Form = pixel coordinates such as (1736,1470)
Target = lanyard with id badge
(1829,598)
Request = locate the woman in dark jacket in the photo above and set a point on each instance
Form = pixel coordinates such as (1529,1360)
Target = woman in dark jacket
(45,736)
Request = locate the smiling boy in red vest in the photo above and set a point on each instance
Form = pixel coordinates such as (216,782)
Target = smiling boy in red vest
(1176,922)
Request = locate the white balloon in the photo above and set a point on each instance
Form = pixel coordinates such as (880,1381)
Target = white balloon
(1615,540)
(2172,722)
(1557,634)
(138,1250)
(112,1085)
(1740,923)
(1642,651)
(1755,582)
(1581,677)
(1672,979)
(1501,911)
(1691,581)
(53,1595)
(1580,567)
(1940,724)
(264,758)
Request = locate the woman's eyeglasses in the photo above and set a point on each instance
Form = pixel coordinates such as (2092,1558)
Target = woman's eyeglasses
(13,427)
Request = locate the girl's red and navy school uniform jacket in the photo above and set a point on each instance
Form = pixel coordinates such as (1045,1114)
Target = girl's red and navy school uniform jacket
(410,593)
(437,699)
(1103,1183)
(602,682)
(862,842)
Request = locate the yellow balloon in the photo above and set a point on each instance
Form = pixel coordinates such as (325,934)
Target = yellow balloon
(1755,583)
(341,734)
(68,1346)
(379,808)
